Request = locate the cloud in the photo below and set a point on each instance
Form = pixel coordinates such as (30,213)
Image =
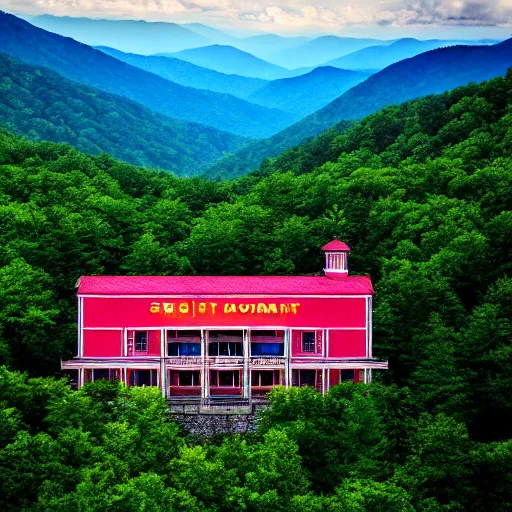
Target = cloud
(446,12)
(285,14)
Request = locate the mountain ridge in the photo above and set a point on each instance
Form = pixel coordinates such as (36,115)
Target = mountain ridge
(393,85)
(77,61)
(40,104)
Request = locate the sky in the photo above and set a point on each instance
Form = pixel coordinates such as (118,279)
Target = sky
(363,18)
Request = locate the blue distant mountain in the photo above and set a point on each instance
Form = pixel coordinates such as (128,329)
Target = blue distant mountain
(380,57)
(80,62)
(307,93)
(232,61)
(321,50)
(126,35)
(190,75)
(431,72)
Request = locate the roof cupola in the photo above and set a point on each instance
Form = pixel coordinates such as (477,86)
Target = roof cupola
(336,259)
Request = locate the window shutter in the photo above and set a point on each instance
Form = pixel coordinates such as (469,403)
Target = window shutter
(318,342)
(131,343)
(154,342)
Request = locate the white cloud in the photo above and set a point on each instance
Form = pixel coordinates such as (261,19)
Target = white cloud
(284,14)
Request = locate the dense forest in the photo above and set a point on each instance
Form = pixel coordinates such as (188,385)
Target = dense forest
(432,72)
(42,105)
(422,194)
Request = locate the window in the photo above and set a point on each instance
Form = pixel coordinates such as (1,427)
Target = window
(264,378)
(189,379)
(93,375)
(184,343)
(143,378)
(228,379)
(347,376)
(267,343)
(141,341)
(226,343)
(301,378)
(308,342)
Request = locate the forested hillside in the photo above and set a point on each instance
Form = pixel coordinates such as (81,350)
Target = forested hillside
(422,194)
(84,64)
(431,72)
(190,75)
(43,105)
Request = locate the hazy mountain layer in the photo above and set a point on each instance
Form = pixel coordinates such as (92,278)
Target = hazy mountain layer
(321,50)
(305,94)
(432,72)
(81,62)
(230,60)
(379,57)
(126,35)
(43,105)
(190,75)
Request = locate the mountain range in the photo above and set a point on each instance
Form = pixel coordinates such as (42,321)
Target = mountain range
(231,61)
(321,50)
(307,93)
(80,62)
(126,35)
(190,75)
(432,72)
(43,105)
(379,57)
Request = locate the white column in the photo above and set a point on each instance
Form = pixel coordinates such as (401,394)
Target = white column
(163,367)
(287,344)
(205,374)
(246,390)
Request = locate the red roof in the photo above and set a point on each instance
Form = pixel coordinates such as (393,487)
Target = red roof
(224,285)
(336,245)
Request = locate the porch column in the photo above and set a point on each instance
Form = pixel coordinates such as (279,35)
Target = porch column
(163,368)
(246,390)
(205,373)
(286,354)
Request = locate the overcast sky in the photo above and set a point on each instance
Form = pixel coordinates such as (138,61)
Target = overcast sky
(421,18)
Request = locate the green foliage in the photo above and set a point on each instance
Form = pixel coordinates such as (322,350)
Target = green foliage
(42,105)
(421,192)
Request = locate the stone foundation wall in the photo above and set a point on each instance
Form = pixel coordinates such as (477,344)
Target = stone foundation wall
(209,424)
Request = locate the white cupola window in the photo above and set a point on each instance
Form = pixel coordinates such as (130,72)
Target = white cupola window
(336,258)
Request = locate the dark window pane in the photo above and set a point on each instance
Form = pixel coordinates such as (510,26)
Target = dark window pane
(225,378)
(347,376)
(101,374)
(141,341)
(267,378)
(173,349)
(213,349)
(213,378)
(307,378)
(185,378)
(308,342)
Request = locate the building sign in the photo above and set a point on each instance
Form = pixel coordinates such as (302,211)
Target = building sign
(209,309)
(271,361)
(184,361)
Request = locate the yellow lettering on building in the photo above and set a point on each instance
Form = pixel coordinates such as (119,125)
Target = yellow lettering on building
(169,308)
(205,308)
(262,308)
(244,308)
(229,308)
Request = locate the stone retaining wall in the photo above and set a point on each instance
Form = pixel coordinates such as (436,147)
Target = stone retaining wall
(207,425)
